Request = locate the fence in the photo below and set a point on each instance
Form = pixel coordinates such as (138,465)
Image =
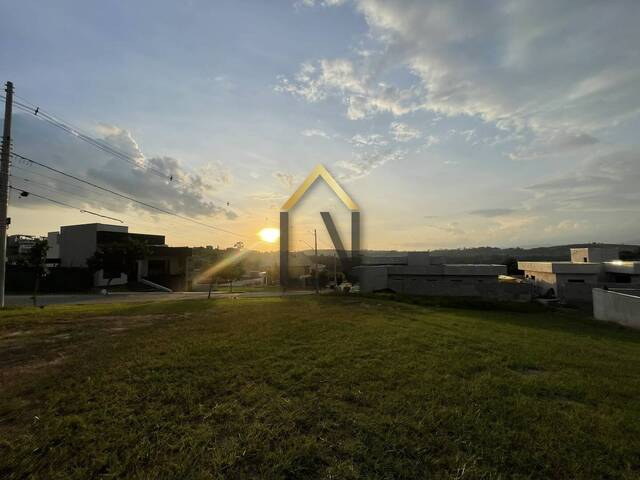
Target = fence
(58,280)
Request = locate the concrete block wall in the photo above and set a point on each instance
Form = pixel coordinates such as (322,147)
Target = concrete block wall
(583,292)
(616,307)
(452,287)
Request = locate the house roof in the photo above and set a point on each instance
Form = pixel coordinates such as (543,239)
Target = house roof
(320,171)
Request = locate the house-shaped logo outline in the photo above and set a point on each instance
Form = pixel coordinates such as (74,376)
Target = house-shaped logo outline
(320,172)
(346,263)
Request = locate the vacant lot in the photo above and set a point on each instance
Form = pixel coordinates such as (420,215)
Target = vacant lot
(315,387)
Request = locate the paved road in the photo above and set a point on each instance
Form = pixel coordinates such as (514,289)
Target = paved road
(117,297)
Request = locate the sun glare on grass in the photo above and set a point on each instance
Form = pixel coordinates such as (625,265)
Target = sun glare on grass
(269,235)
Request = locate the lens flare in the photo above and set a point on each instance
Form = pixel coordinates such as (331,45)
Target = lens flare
(269,235)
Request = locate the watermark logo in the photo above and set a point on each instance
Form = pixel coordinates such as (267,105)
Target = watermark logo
(347,261)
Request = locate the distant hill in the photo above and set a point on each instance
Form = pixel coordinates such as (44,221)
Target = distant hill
(506,256)
(502,255)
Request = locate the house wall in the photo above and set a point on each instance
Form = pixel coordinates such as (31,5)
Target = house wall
(569,278)
(54,245)
(373,278)
(451,286)
(79,242)
(594,254)
(616,307)
(542,281)
(564,285)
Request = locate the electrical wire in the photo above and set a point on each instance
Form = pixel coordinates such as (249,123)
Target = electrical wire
(68,127)
(48,187)
(49,177)
(127,197)
(25,193)
(78,133)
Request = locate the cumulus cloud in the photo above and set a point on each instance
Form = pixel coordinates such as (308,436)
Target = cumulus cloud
(187,194)
(402,132)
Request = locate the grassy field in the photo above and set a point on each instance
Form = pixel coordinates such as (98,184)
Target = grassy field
(315,387)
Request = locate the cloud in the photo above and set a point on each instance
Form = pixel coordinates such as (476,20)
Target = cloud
(314,132)
(606,183)
(492,212)
(403,133)
(557,143)
(187,194)
(363,163)
(431,140)
(543,67)
(373,140)
(452,228)
(322,3)
(341,78)
(565,226)
(286,179)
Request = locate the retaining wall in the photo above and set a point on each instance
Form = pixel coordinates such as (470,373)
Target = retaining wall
(616,307)
(489,289)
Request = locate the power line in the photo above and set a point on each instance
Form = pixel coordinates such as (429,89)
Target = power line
(49,187)
(68,127)
(84,136)
(49,177)
(167,212)
(24,193)
(178,229)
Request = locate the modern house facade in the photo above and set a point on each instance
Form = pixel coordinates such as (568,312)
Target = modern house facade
(419,273)
(75,244)
(589,267)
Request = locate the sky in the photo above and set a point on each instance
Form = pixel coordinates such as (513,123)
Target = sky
(450,123)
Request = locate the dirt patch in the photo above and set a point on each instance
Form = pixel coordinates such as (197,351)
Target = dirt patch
(48,346)
(17,333)
(13,373)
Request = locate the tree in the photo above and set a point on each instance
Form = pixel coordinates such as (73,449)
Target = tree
(231,267)
(117,258)
(37,259)
(512,266)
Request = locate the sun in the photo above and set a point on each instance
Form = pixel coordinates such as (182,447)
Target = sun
(270,235)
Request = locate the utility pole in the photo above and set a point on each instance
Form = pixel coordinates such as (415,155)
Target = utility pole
(315,236)
(4,185)
(335,272)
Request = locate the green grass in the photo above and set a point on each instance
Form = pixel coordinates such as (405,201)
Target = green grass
(318,387)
